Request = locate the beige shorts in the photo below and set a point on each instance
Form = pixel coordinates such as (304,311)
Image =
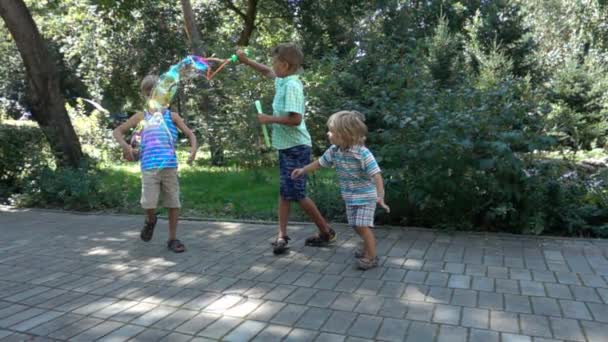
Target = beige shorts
(163,183)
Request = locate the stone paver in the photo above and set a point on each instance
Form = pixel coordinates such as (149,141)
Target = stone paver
(67,276)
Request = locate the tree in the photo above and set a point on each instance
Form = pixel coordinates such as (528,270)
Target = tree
(196,44)
(48,104)
(248,17)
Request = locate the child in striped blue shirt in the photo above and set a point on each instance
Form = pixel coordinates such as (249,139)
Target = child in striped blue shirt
(158,162)
(361,182)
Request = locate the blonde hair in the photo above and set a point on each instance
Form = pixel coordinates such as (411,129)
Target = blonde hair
(349,126)
(147,85)
(290,54)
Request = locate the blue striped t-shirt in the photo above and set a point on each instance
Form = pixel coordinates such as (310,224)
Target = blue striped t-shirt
(355,168)
(158,140)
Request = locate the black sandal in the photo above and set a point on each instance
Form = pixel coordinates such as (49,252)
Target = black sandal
(148,230)
(280,245)
(321,239)
(176,246)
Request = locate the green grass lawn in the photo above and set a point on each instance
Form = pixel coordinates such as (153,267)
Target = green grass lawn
(221,192)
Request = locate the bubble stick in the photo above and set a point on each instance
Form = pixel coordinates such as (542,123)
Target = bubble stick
(258,106)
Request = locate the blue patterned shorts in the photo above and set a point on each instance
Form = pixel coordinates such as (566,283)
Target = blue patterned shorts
(290,159)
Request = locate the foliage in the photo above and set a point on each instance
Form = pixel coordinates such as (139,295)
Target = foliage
(462,165)
(94,133)
(22,148)
(324,190)
(561,201)
(31,178)
(69,188)
(457,130)
(464,101)
(12,74)
(577,93)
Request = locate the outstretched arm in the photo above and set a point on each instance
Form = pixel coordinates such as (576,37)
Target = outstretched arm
(261,68)
(312,167)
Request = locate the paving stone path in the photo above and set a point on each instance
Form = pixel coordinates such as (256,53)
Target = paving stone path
(65,276)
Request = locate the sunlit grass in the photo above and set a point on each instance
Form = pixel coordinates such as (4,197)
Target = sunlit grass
(577,156)
(208,191)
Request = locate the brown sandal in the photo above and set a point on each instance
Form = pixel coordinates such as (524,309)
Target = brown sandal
(321,239)
(280,245)
(176,246)
(148,230)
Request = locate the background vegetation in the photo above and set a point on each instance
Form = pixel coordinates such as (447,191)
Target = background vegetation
(484,115)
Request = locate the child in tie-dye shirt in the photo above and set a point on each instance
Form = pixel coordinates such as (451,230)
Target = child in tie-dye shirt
(158,162)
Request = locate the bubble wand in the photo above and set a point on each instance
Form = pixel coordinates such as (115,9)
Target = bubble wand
(258,106)
(233,59)
(165,88)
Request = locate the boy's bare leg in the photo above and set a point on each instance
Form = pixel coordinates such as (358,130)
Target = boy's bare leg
(313,212)
(147,231)
(369,241)
(150,215)
(284,206)
(173,218)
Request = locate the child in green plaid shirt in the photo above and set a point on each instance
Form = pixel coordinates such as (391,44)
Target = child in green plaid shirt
(290,137)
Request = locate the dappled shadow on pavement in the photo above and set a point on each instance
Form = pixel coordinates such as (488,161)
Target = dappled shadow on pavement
(85,277)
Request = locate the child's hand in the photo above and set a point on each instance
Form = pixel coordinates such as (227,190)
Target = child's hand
(241,55)
(264,119)
(381,203)
(297,173)
(191,158)
(127,153)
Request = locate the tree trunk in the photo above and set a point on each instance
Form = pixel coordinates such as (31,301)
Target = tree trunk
(248,18)
(48,104)
(196,44)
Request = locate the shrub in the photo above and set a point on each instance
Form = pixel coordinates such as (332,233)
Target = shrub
(325,192)
(459,138)
(94,133)
(22,148)
(69,188)
(29,176)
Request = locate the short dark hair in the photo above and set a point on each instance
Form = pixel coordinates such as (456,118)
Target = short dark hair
(289,53)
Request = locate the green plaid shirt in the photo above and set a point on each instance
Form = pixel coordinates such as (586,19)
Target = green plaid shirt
(289,97)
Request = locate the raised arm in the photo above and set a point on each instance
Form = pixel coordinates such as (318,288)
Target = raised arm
(261,68)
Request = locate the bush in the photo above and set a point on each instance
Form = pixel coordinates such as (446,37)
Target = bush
(22,148)
(94,133)
(76,189)
(561,199)
(462,164)
(578,98)
(325,192)
(29,176)
(459,137)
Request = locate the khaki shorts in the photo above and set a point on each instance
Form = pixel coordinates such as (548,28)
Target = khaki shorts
(162,182)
